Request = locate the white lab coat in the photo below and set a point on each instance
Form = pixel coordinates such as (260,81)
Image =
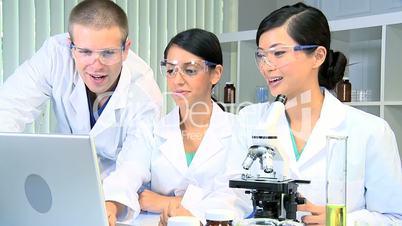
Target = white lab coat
(374,169)
(51,74)
(167,169)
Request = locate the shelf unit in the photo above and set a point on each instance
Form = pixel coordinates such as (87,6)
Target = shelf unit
(373,46)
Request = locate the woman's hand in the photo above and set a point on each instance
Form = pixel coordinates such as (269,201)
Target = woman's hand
(112,210)
(174,209)
(317,216)
(153,202)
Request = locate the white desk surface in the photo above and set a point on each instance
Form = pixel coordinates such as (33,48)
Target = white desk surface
(146,219)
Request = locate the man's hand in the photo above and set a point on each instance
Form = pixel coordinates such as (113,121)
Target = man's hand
(112,210)
(174,209)
(156,203)
(317,216)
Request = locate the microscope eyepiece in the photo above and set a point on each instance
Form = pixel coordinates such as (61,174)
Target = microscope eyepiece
(248,161)
(263,153)
(266,162)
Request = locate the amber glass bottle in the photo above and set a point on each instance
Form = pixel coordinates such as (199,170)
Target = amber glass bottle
(229,93)
(344,90)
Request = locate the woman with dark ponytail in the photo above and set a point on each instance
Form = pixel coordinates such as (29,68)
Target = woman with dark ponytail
(295,58)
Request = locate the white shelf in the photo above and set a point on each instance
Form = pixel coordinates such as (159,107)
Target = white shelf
(366,21)
(228,104)
(237,36)
(393,103)
(363,103)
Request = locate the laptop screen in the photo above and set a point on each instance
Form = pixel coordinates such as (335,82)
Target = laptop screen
(49,180)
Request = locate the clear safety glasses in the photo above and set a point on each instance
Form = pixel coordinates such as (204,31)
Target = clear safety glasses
(106,56)
(190,68)
(279,56)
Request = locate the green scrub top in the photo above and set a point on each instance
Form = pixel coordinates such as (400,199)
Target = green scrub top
(297,153)
(189,157)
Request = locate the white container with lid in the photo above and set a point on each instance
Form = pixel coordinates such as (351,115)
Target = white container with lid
(219,215)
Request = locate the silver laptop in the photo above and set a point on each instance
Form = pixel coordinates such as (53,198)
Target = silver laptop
(50,180)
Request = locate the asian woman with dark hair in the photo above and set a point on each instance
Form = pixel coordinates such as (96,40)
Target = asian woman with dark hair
(294,57)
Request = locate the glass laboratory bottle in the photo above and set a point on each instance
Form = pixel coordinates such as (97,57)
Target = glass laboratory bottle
(261,94)
(336,180)
(229,94)
(219,217)
(344,90)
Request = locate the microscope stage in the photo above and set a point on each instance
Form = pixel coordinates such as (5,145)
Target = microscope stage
(265,184)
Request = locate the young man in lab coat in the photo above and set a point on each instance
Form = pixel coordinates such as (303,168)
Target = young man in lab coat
(97,85)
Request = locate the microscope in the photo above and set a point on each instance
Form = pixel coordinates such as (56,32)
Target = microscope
(273,196)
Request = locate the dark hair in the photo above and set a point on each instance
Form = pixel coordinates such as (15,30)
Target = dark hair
(308,26)
(99,14)
(201,43)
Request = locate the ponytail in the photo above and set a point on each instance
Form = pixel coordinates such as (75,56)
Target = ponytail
(332,70)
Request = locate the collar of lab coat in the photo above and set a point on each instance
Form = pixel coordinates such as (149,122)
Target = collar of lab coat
(172,146)
(332,117)
(78,103)
(118,100)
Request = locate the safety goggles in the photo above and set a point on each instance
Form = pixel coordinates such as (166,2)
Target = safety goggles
(107,56)
(190,68)
(280,55)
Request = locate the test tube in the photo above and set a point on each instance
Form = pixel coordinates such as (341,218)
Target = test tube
(336,180)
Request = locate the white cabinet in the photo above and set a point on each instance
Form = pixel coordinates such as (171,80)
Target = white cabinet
(373,46)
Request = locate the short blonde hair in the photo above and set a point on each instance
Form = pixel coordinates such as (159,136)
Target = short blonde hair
(98,14)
